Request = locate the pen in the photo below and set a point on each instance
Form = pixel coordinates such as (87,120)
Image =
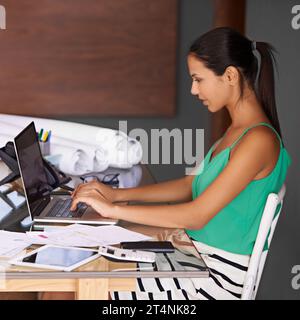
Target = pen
(49,135)
(40,134)
(45,136)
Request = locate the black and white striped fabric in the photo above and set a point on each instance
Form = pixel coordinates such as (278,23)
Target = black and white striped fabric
(227,275)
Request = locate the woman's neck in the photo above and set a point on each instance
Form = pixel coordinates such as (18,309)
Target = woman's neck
(245,112)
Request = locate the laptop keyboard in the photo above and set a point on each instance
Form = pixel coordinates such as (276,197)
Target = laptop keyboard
(61,209)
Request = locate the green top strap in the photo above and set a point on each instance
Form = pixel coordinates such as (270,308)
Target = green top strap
(218,141)
(256,125)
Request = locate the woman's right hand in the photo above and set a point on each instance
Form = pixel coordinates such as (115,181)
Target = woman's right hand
(108,192)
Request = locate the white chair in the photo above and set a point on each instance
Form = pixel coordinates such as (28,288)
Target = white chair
(258,257)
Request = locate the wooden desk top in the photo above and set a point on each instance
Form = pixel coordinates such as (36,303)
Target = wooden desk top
(104,268)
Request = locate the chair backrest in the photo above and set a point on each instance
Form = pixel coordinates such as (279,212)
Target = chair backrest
(265,233)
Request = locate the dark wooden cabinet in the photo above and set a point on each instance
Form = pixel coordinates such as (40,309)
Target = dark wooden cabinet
(89,57)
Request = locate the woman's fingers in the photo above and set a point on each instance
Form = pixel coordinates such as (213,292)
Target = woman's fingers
(89,190)
(86,196)
(76,190)
(77,200)
(82,186)
(80,197)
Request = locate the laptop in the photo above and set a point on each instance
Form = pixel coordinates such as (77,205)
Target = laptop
(42,205)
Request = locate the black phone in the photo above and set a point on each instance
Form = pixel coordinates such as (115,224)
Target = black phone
(154,246)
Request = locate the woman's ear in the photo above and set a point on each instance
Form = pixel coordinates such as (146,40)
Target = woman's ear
(231,75)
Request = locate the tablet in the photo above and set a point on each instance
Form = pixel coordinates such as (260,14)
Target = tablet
(56,258)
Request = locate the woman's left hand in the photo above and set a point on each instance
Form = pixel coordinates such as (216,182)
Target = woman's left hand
(94,199)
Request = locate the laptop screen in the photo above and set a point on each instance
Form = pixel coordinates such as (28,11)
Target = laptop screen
(32,169)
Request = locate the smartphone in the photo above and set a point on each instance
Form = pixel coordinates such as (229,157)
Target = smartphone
(154,246)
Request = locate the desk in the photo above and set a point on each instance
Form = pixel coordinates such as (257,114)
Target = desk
(95,279)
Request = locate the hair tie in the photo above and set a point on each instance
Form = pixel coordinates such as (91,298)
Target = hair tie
(253,44)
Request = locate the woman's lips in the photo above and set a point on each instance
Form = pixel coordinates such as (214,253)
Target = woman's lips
(204,101)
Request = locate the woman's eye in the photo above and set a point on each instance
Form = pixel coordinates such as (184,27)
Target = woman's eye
(196,80)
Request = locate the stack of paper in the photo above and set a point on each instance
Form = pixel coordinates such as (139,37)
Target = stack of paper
(12,243)
(76,235)
(84,236)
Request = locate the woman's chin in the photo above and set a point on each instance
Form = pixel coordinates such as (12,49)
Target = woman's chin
(208,106)
(212,108)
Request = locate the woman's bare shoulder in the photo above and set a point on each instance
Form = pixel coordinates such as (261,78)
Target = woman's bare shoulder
(264,143)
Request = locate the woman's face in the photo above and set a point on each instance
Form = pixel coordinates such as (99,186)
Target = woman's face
(214,91)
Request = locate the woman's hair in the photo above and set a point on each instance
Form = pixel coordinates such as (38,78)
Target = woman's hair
(223,47)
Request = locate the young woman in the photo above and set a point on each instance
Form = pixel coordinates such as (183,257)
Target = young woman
(223,203)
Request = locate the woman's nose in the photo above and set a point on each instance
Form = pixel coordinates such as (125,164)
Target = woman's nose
(194,89)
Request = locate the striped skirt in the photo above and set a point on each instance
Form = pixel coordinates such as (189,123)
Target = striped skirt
(225,282)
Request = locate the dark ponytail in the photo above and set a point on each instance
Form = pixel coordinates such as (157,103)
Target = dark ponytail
(266,83)
(222,47)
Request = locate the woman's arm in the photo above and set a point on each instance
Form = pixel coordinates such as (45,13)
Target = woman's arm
(245,163)
(169,191)
(179,190)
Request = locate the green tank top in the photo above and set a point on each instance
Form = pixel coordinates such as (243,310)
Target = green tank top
(235,227)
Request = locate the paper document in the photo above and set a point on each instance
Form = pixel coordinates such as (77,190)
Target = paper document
(12,243)
(61,238)
(85,236)
(108,235)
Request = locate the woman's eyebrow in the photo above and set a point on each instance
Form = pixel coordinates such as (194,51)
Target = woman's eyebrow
(194,75)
